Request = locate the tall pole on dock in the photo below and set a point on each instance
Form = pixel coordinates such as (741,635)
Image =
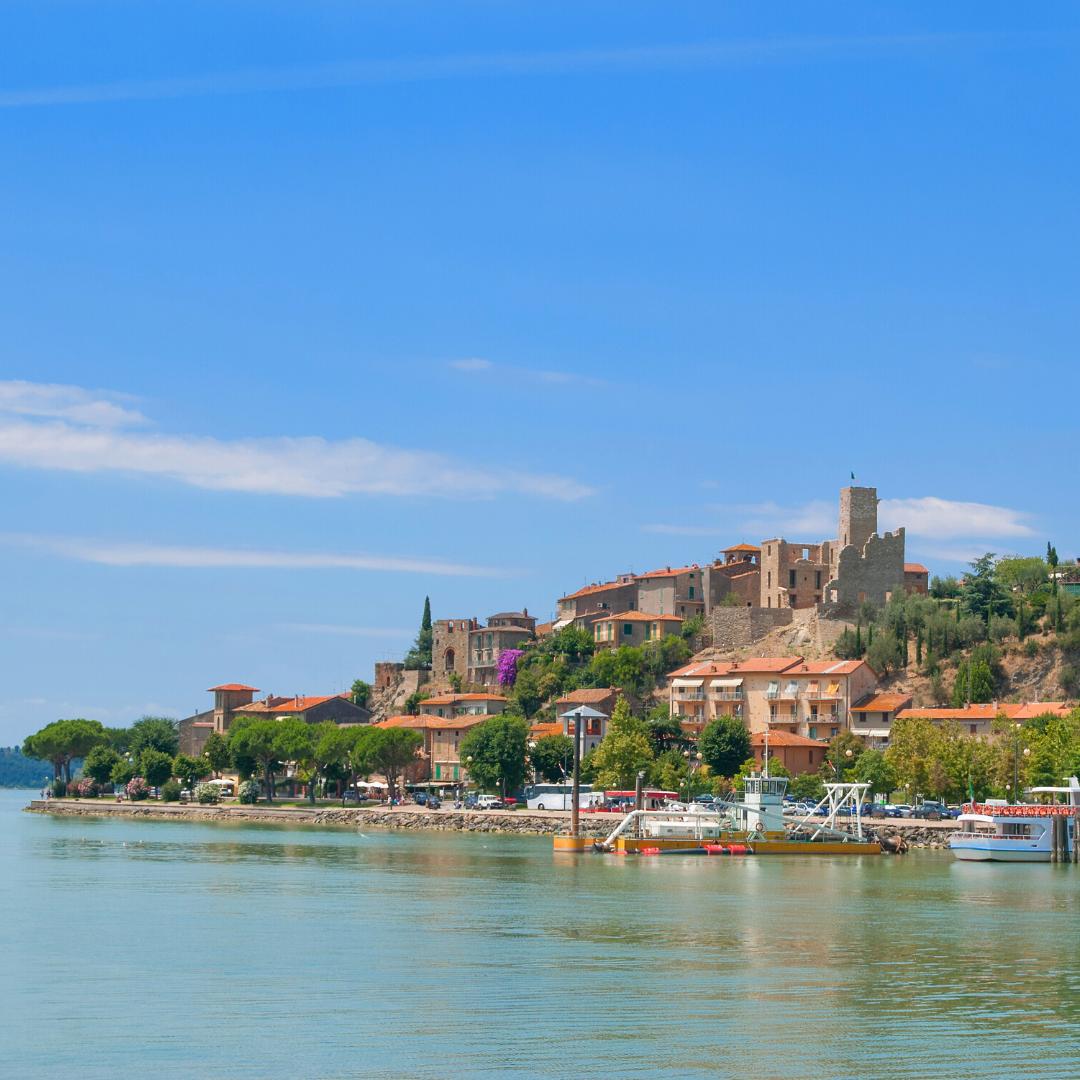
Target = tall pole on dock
(576,786)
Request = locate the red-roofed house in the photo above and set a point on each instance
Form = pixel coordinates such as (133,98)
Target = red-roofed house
(679,591)
(796,753)
(634,628)
(439,759)
(979,719)
(464,705)
(916,578)
(872,717)
(811,699)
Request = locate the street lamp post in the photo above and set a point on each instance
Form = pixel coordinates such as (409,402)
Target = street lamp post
(1016,759)
(691,760)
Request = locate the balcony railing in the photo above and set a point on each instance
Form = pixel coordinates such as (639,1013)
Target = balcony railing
(727,695)
(690,695)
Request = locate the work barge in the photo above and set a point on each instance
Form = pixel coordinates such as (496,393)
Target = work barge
(753,825)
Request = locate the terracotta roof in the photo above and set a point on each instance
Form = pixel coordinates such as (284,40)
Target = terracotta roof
(784,738)
(766,664)
(544,628)
(282,706)
(427,722)
(915,568)
(828,667)
(588,696)
(639,616)
(588,590)
(453,699)
(669,572)
(540,731)
(1038,708)
(233,686)
(989,711)
(510,615)
(742,547)
(704,667)
(882,703)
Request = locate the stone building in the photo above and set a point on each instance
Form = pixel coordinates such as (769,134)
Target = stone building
(450,647)
(229,698)
(916,578)
(235,699)
(464,704)
(439,759)
(736,574)
(860,565)
(506,630)
(583,607)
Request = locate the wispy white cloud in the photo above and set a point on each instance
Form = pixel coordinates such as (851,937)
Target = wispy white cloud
(708,54)
(344,631)
(49,438)
(475,365)
(124,553)
(74,404)
(927,518)
(811,521)
(945,519)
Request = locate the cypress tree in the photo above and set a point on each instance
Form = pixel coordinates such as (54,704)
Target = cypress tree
(858,639)
(918,647)
(425,638)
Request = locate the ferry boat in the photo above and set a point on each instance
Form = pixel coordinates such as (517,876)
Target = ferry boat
(753,826)
(1000,831)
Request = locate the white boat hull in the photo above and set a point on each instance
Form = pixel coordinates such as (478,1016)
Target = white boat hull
(988,853)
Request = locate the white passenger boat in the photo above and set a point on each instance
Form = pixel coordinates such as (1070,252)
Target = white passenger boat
(999,831)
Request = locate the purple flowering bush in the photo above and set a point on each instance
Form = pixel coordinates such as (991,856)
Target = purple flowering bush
(137,789)
(508,665)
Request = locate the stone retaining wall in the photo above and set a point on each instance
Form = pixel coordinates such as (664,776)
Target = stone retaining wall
(492,821)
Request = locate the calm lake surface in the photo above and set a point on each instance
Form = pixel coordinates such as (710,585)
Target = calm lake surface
(207,950)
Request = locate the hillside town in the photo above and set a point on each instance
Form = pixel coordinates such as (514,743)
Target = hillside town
(819,656)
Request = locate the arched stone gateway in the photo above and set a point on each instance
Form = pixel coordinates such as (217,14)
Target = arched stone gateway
(448,660)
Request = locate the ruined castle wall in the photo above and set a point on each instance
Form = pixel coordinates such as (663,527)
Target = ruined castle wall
(870,575)
(734,627)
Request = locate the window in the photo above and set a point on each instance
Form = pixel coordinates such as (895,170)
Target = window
(628,629)
(813,733)
(791,579)
(817,579)
(768,576)
(691,592)
(793,598)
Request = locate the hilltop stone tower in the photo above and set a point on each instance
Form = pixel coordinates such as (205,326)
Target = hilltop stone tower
(858,516)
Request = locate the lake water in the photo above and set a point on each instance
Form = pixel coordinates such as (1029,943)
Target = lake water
(205,950)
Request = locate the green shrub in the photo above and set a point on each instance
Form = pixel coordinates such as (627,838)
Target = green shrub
(170,791)
(207,794)
(248,792)
(59,789)
(1031,648)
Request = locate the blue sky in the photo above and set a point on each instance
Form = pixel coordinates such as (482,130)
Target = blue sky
(310,310)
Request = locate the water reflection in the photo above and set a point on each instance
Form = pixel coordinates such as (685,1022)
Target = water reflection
(388,954)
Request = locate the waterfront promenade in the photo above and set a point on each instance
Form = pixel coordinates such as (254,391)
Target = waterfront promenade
(448,819)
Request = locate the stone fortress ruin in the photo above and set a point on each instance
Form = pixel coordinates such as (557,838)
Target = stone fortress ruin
(859,565)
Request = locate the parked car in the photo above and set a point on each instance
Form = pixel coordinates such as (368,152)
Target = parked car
(433,802)
(881,810)
(488,802)
(931,811)
(351,796)
(420,798)
(705,800)
(904,809)
(509,801)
